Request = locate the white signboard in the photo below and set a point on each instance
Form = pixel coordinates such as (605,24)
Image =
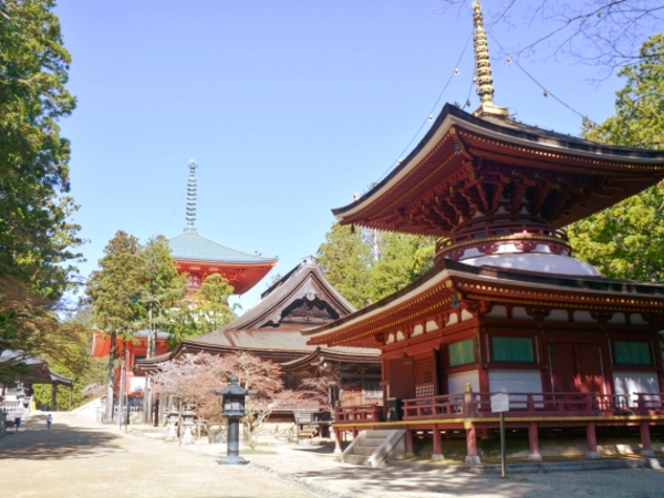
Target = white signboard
(500,402)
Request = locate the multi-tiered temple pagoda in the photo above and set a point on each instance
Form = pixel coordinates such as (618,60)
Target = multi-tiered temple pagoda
(199,256)
(507,307)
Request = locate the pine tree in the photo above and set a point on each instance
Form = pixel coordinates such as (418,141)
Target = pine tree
(115,291)
(627,239)
(345,258)
(368,265)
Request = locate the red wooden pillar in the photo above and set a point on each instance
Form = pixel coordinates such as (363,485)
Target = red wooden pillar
(437,446)
(409,443)
(646,446)
(533,439)
(471,445)
(591,438)
(354,433)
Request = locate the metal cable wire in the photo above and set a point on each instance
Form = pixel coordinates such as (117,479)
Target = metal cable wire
(433,109)
(547,92)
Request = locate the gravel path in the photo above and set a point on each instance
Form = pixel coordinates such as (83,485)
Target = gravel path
(83,459)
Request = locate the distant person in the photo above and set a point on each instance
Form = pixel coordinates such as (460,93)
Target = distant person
(49,421)
(17,422)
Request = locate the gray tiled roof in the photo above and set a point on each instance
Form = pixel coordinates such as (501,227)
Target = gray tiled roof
(192,246)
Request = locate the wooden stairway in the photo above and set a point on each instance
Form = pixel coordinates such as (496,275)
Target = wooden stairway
(372,448)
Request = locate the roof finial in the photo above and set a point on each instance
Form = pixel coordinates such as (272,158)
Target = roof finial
(483,78)
(191,195)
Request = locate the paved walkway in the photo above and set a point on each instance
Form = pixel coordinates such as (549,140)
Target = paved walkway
(82,459)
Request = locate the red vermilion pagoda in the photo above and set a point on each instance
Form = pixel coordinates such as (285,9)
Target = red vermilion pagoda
(199,256)
(506,307)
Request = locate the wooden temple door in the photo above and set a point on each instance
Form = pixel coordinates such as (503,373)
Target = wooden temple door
(400,378)
(576,367)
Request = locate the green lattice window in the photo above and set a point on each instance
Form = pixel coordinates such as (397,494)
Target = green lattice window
(512,349)
(461,353)
(631,353)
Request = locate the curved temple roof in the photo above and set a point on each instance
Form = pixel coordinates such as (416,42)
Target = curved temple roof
(461,152)
(192,246)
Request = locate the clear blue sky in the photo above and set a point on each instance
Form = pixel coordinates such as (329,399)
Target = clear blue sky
(288,107)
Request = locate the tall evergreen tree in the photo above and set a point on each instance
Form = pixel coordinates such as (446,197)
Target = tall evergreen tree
(368,265)
(162,287)
(403,259)
(345,258)
(115,291)
(627,240)
(36,236)
(212,303)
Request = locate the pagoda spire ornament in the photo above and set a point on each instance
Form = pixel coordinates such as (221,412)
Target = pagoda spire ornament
(191,196)
(483,77)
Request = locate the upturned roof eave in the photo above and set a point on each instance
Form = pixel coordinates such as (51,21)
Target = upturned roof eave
(516,132)
(571,285)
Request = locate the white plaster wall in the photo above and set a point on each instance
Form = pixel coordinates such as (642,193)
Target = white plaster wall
(583,317)
(635,382)
(456,383)
(516,381)
(497,312)
(519,313)
(558,316)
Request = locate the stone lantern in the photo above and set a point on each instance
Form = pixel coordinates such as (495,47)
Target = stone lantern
(233,408)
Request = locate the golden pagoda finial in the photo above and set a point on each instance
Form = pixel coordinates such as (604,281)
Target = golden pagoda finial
(483,78)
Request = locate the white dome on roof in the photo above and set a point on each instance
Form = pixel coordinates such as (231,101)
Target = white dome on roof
(537,262)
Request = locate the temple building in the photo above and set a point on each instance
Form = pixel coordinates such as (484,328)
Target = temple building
(16,398)
(506,308)
(271,330)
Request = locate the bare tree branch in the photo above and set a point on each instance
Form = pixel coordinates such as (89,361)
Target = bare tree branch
(602,33)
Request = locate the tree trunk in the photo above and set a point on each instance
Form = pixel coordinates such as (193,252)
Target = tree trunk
(110,379)
(147,394)
(123,382)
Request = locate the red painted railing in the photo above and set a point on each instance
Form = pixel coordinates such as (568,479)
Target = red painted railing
(359,413)
(648,403)
(524,404)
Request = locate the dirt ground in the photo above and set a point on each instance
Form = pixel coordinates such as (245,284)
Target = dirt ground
(77,458)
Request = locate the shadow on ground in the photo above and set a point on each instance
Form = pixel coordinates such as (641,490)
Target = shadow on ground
(35,442)
(409,482)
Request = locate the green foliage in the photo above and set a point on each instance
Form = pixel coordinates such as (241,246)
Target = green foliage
(115,289)
(640,104)
(366,266)
(206,312)
(36,237)
(403,259)
(345,258)
(161,289)
(73,360)
(213,302)
(34,232)
(627,240)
